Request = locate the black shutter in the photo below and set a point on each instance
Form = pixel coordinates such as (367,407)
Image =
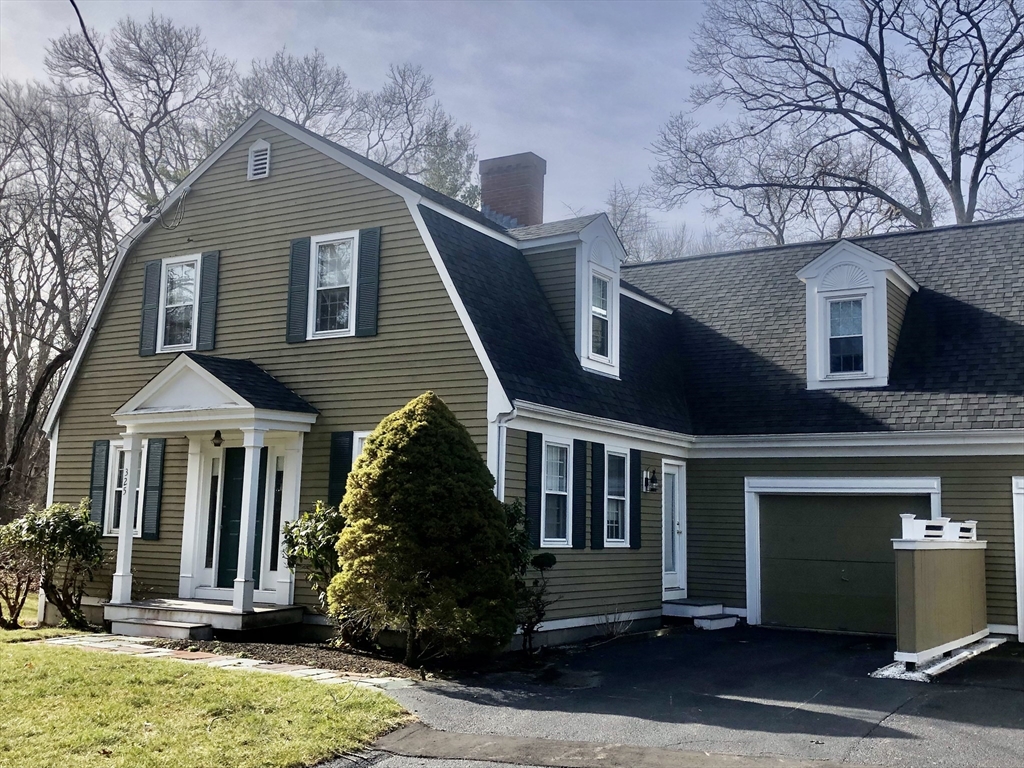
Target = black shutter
(153,492)
(534,465)
(150,308)
(579,494)
(298,291)
(635,473)
(339,467)
(597,497)
(98,480)
(368,280)
(209,273)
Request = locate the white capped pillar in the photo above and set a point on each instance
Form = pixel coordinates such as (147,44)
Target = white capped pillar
(122,588)
(252,440)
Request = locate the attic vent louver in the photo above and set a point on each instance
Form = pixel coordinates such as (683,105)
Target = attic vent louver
(259,160)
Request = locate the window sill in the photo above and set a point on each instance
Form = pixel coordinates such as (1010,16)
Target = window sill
(329,335)
(616,544)
(116,535)
(180,348)
(555,545)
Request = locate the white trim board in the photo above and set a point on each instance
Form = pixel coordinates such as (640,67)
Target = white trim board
(589,621)
(754,487)
(1018,550)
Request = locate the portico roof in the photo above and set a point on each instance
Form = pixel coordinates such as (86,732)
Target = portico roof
(215,392)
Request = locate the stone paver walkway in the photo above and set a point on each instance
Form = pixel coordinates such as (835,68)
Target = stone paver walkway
(139,646)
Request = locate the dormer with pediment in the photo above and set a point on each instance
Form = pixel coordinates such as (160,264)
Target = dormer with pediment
(856,300)
(577,264)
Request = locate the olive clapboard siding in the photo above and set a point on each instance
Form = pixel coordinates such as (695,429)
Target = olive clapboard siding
(354,382)
(609,581)
(556,273)
(896,305)
(827,562)
(973,488)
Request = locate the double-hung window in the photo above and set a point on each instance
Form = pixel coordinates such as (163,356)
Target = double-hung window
(555,507)
(332,279)
(117,486)
(616,517)
(179,299)
(846,336)
(600,317)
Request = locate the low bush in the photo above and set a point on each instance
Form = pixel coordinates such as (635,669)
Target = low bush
(64,545)
(311,543)
(19,578)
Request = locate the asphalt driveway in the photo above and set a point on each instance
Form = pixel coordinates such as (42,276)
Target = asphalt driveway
(750,692)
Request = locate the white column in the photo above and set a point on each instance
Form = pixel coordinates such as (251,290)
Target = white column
(252,439)
(290,490)
(122,589)
(192,524)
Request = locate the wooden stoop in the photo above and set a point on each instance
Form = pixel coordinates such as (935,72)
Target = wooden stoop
(706,614)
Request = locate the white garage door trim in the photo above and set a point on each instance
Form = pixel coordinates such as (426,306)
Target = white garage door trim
(754,487)
(1018,550)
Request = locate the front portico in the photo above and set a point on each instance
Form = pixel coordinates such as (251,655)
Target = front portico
(245,435)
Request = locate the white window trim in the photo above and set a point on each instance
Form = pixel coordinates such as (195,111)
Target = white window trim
(314,243)
(624,541)
(867,356)
(607,278)
(567,541)
(115,447)
(161,319)
(592,361)
(358,439)
(1018,550)
(755,487)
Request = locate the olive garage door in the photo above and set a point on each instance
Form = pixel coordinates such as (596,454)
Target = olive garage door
(827,561)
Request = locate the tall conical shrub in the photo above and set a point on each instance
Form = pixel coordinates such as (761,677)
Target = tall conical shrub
(425,549)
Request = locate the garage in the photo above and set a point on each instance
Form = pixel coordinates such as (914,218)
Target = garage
(827,561)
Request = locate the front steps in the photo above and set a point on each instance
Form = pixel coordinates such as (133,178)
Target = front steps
(166,615)
(175,630)
(706,614)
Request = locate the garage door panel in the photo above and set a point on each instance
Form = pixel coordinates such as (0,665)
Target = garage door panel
(827,561)
(822,594)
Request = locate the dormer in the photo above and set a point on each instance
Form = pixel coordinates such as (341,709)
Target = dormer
(577,264)
(855,305)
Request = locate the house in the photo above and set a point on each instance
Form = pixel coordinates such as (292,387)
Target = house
(721,436)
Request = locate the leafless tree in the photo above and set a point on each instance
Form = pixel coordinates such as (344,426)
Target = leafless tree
(893,112)
(401,125)
(642,238)
(63,187)
(158,80)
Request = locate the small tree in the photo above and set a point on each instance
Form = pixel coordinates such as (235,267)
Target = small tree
(532,596)
(425,549)
(19,575)
(311,542)
(65,546)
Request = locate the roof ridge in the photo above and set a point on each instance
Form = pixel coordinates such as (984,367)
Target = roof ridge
(831,241)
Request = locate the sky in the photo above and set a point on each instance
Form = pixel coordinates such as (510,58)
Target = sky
(583,84)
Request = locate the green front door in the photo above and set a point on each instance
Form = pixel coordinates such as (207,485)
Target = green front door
(827,562)
(231,516)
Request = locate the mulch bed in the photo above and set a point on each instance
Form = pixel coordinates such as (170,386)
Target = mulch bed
(318,655)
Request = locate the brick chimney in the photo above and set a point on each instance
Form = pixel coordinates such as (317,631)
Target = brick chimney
(513,187)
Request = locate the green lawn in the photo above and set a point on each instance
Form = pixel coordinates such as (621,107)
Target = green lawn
(77,708)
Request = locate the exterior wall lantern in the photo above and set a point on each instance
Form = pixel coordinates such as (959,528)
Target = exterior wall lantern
(650,481)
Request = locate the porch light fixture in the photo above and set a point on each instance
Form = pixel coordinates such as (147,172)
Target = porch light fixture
(217,441)
(650,481)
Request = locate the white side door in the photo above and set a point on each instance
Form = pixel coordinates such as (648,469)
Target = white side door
(673,511)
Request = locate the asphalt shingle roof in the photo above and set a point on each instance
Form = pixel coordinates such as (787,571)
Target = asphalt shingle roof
(535,360)
(959,362)
(254,384)
(552,228)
